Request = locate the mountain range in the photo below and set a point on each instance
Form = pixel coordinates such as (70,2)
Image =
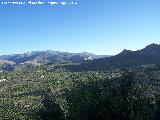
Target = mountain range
(125,59)
(46,57)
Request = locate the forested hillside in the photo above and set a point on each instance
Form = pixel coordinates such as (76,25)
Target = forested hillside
(42,94)
(86,90)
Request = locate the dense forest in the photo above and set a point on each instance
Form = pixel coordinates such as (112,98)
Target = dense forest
(121,87)
(51,92)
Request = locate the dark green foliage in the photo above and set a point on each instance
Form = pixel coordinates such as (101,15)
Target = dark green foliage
(50,92)
(50,109)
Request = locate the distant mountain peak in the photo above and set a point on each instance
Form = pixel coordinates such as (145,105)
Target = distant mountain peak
(49,56)
(152,49)
(127,58)
(152,46)
(125,52)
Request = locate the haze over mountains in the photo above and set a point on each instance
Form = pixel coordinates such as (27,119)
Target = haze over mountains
(50,85)
(148,55)
(49,56)
(127,58)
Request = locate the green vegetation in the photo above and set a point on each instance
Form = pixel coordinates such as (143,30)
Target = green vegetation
(50,92)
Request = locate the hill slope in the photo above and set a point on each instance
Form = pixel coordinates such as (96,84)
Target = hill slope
(49,56)
(127,58)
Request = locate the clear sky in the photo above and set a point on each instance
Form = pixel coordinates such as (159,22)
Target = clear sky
(96,26)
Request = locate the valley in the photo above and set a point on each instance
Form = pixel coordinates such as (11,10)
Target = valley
(110,88)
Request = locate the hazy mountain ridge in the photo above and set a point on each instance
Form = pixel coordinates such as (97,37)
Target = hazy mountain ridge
(49,56)
(126,59)
(51,91)
(148,55)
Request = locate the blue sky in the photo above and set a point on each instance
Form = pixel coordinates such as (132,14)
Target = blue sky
(96,26)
